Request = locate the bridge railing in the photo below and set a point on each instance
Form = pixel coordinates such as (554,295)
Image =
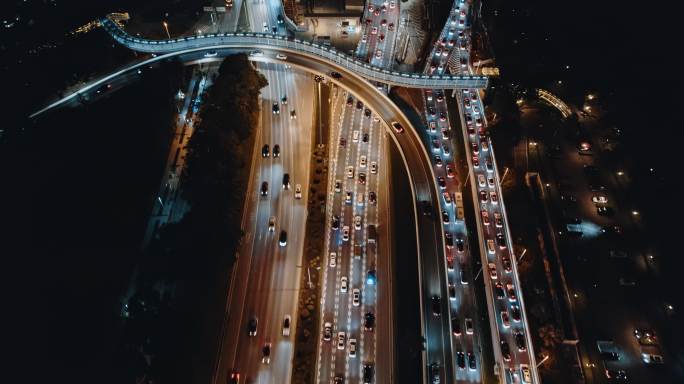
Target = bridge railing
(256,40)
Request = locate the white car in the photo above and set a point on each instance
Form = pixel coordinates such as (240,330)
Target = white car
(355,136)
(481,180)
(357,222)
(492,271)
(344,284)
(490,246)
(286,325)
(374,167)
(298,191)
(338,186)
(352,347)
(374,31)
(378,54)
(363,161)
(333,259)
(280,56)
(340,340)
(345,233)
(392,4)
(599,199)
(356,297)
(364,38)
(265,26)
(327,331)
(359,199)
(469,325)
(350,172)
(525,372)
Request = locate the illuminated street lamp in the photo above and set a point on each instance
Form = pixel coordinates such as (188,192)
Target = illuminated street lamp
(587,108)
(635,213)
(543,360)
(620,173)
(166,28)
(590,97)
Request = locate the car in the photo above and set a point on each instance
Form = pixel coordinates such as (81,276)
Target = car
(276,151)
(369,321)
(282,240)
(345,233)
(279,18)
(471,361)
(362,178)
(452,292)
(335,222)
(616,375)
(392,4)
(286,325)
(398,128)
(438,161)
(441,182)
(498,221)
(381,37)
(490,246)
(383,23)
(344,284)
(234,376)
(364,37)
(434,373)
(485,217)
(338,186)
(483,196)
(371,8)
(489,166)
(252,326)
(485,145)
(350,101)
(510,290)
(367,373)
(445,134)
(363,161)
(359,105)
(442,116)
(440,97)
(340,340)
(266,353)
(333,259)
(447,198)
(274,29)
(478,122)
(352,347)
(494,197)
(264,188)
(365,137)
(350,172)
(506,261)
(445,216)
(499,291)
(372,198)
(265,151)
(474,147)
(481,181)
(492,271)
(445,149)
(609,355)
(335,75)
(374,31)
(355,136)
(460,359)
(265,27)
(283,100)
(435,145)
(500,240)
(298,191)
(276,109)
(293,114)
(464,62)
(286,181)
(605,211)
(327,331)
(462,45)
(348,197)
(357,222)
(450,171)
(525,373)
(490,182)
(460,244)
(515,313)
(504,319)
(476,162)
(390,26)
(462,274)
(520,341)
(374,167)
(505,350)
(469,325)
(271,224)
(448,240)
(356,297)
(436,305)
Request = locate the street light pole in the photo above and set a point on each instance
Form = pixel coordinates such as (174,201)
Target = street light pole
(504,175)
(543,360)
(166,28)
(521,255)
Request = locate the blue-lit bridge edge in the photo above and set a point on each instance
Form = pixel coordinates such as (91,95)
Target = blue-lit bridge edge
(289,44)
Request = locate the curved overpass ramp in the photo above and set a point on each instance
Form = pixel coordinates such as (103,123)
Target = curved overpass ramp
(288,45)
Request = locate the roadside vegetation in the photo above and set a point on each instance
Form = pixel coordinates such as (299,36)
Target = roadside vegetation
(176,314)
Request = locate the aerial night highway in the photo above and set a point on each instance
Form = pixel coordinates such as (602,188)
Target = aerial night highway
(377,191)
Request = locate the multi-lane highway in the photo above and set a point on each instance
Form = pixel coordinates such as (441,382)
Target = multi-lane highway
(357,256)
(379,31)
(265,286)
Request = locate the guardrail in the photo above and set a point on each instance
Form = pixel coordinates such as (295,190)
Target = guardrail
(288,44)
